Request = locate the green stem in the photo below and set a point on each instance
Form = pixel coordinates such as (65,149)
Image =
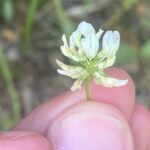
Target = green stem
(31,12)
(64,21)
(4,68)
(87,86)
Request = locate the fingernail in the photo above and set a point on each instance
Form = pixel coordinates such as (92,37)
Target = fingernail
(90,131)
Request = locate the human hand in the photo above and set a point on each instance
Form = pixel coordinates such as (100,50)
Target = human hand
(111,121)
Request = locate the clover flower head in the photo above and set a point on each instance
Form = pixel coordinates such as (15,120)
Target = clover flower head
(83,47)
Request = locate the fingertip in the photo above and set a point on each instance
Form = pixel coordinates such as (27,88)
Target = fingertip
(88,125)
(122,97)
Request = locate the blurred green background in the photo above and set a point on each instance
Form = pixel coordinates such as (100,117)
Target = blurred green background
(30,37)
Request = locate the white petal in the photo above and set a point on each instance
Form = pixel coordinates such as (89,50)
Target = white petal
(99,33)
(90,45)
(75,44)
(106,63)
(77,85)
(75,39)
(65,48)
(68,52)
(62,72)
(65,41)
(72,71)
(108,81)
(85,28)
(111,41)
(62,65)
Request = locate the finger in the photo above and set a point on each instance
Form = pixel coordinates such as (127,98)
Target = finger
(123,98)
(23,141)
(140,124)
(89,126)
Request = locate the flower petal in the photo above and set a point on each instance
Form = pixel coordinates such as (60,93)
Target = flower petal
(85,28)
(70,53)
(111,42)
(75,39)
(75,42)
(108,81)
(77,84)
(72,71)
(106,63)
(65,48)
(62,65)
(90,45)
(99,33)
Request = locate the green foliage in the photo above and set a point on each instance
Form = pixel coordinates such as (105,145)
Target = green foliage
(63,21)
(127,4)
(127,54)
(7,9)
(4,67)
(145,22)
(31,12)
(145,54)
(6,122)
(88,2)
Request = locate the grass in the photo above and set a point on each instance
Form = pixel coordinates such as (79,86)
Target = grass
(29,22)
(64,22)
(15,102)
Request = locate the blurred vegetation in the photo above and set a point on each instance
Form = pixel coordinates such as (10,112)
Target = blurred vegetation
(11,89)
(30,36)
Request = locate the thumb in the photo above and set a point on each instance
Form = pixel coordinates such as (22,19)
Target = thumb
(90,125)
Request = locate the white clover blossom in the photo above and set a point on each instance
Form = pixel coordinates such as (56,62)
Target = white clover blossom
(83,48)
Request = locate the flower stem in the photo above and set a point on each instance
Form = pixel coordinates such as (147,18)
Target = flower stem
(87,92)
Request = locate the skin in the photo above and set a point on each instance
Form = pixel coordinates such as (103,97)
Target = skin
(111,121)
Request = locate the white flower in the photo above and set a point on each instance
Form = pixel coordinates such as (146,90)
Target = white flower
(111,42)
(83,48)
